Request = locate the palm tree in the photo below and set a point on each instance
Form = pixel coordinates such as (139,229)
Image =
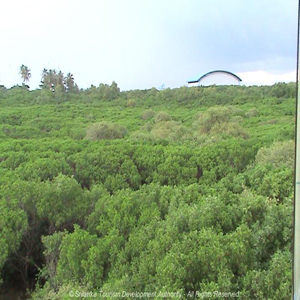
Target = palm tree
(45,79)
(60,80)
(44,75)
(25,74)
(52,79)
(70,84)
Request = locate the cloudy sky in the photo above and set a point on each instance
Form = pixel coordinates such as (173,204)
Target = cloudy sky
(147,43)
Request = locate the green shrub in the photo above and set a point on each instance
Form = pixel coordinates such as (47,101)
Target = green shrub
(148,114)
(52,244)
(162,116)
(65,292)
(141,136)
(280,153)
(105,131)
(251,113)
(274,283)
(218,121)
(131,103)
(73,254)
(170,130)
(13,224)
(213,116)
(230,128)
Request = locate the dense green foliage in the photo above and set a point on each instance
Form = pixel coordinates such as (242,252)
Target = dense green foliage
(173,191)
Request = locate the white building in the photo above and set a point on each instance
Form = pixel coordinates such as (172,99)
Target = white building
(218,77)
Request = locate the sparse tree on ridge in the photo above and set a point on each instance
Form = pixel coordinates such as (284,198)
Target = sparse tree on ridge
(25,73)
(70,82)
(44,75)
(51,79)
(60,80)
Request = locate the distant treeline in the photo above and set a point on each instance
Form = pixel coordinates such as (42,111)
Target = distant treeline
(193,96)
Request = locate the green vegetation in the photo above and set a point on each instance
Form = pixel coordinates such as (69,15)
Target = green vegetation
(173,191)
(25,74)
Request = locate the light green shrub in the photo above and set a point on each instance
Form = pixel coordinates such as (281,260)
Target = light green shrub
(131,103)
(220,120)
(253,112)
(148,114)
(280,153)
(105,131)
(162,116)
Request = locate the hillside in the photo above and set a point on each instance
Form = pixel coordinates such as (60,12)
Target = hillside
(174,192)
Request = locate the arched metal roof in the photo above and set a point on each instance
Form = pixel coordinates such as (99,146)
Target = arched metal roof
(216,71)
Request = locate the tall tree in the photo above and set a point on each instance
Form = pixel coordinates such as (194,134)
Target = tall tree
(44,78)
(25,74)
(60,80)
(52,79)
(70,84)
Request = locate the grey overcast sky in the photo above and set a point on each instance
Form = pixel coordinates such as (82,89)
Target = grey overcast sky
(146,43)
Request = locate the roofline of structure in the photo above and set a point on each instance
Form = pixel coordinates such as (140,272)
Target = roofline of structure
(216,71)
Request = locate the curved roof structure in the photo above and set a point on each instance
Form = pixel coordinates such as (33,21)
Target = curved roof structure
(216,72)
